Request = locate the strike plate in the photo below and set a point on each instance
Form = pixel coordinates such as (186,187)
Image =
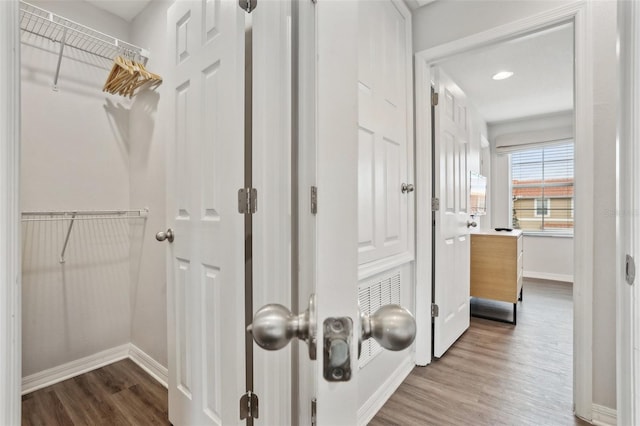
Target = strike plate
(337,349)
(630,270)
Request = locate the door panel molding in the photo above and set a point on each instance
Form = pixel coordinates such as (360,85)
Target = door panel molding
(206,262)
(385,117)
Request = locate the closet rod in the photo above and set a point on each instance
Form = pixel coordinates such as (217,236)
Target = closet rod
(72,216)
(40,216)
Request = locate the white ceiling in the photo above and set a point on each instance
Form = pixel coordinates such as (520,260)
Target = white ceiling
(126,9)
(542,82)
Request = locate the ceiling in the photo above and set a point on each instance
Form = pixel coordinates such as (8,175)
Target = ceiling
(129,9)
(542,83)
(126,9)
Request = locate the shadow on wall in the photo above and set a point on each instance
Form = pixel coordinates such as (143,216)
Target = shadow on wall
(118,119)
(80,72)
(143,111)
(81,306)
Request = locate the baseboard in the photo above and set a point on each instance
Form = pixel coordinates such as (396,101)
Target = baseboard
(150,365)
(547,276)
(384,392)
(71,369)
(92,362)
(603,416)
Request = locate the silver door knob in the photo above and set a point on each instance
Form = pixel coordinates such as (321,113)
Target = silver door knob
(165,235)
(407,187)
(274,326)
(392,326)
(471,224)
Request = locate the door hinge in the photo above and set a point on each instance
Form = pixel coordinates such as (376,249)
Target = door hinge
(630,270)
(435,310)
(247,200)
(434,99)
(314,200)
(248,5)
(435,204)
(249,406)
(314,408)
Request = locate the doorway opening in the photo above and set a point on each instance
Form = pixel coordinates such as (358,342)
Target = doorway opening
(579,119)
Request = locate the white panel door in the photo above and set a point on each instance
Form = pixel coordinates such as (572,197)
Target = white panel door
(383,130)
(452,247)
(205,299)
(337,180)
(271,155)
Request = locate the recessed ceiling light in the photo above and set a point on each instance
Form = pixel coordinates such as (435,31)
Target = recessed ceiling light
(502,75)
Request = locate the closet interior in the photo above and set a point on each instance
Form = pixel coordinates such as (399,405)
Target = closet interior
(93,190)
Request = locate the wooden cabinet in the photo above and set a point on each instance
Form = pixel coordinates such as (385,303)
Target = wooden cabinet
(496,266)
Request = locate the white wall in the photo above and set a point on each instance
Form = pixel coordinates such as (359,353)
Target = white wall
(441,22)
(147,169)
(75,156)
(548,257)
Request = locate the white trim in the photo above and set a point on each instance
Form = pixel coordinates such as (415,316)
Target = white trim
(80,366)
(273,175)
(547,276)
(150,365)
(375,402)
(382,265)
(580,13)
(603,416)
(627,202)
(71,369)
(306,33)
(424,230)
(10,264)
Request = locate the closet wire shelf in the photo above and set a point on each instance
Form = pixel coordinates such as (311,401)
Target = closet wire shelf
(72,216)
(66,32)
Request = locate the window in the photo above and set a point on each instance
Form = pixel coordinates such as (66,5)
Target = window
(542,189)
(542,207)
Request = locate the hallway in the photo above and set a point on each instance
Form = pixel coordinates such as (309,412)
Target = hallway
(497,373)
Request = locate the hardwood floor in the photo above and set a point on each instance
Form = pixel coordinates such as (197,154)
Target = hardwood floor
(118,394)
(495,374)
(498,374)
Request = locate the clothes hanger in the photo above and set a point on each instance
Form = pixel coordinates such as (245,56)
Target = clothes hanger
(127,76)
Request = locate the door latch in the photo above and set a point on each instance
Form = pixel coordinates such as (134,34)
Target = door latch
(337,349)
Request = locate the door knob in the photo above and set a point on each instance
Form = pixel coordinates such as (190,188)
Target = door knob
(274,326)
(407,187)
(392,326)
(165,235)
(471,224)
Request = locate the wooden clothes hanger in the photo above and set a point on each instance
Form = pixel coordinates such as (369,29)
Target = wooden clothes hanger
(127,76)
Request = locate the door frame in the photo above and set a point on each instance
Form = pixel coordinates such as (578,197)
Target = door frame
(10,265)
(579,13)
(627,222)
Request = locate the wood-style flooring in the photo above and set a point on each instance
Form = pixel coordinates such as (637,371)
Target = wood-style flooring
(498,374)
(495,374)
(118,394)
